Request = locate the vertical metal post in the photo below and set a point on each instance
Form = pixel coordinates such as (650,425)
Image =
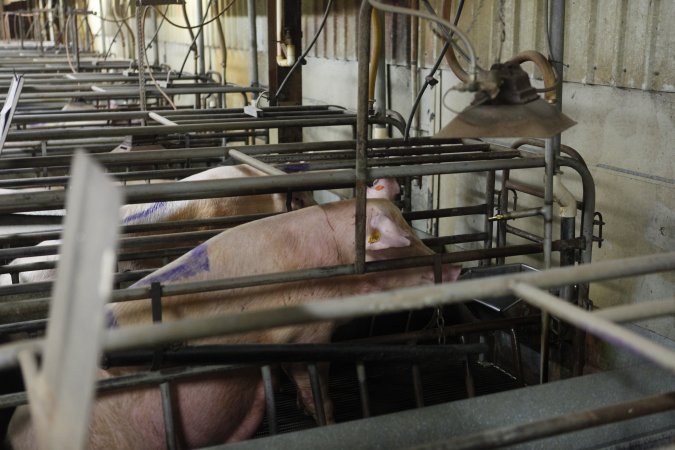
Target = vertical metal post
(253,43)
(155,46)
(269,399)
(101,7)
(200,39)
(315,382)
(363,50)
(549,161)
(75,38)
(292,94)
(380,130)
(489,211)
(140,58)
(363,388)
(62,20)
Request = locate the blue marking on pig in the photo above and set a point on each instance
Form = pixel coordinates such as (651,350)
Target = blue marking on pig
(195,262)
(110,319)
(299,167)
(144,213)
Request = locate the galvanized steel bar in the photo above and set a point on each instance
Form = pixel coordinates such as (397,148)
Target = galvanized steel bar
(361,169)
(162,130)
(596,325)
(637,311)
(365,305)
(258,185)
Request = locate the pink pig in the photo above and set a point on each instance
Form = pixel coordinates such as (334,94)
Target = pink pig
(229,408)
(384,188)
(178,210)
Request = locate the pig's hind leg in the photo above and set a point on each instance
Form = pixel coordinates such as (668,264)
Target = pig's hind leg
(298,372)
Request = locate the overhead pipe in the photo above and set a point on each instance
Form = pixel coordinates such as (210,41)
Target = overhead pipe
(286,54)
(201,57)
(550,91)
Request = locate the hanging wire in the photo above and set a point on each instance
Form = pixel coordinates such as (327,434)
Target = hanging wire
(145,51)
(68,57)
(430,77)
(201,27)
(159,27)
(188,27)
(473,68)
(302,57)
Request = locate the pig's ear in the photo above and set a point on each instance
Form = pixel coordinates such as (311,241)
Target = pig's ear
(383,233)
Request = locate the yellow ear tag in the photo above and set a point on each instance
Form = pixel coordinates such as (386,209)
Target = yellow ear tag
(379,187)
(374,237)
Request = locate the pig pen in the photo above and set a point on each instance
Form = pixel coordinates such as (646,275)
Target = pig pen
(370,375)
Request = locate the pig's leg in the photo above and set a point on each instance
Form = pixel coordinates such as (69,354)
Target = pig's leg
(298,373)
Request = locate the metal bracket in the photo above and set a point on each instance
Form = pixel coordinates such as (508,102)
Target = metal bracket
(600,223)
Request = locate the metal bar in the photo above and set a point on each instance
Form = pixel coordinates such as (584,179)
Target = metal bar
(160,119)
(152,130)
(135,380)
(269,353)
(200,38)
(167,410)
(516,434)
(365,305)
(243,158)
(597,326)
(524,234)
(269,399)
(9,309)
(315,383)
(254,185)
(253,42)
(363,388)
(417,385)
(637,311)
(361,169)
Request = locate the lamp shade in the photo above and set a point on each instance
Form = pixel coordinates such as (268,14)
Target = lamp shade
(537,119)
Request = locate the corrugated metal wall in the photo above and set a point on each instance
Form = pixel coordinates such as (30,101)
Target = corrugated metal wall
(622,43)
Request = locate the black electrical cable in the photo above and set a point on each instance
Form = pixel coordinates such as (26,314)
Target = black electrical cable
(302,57)
(430,77)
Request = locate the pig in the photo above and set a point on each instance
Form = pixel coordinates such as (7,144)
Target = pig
(179,210)
(219,409)
(384,188)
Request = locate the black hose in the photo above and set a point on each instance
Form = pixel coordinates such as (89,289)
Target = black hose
(429,78)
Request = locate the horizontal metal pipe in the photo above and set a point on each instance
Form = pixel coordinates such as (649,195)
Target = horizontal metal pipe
(268,353)
(517,434)
(182,154)
(258,185)
(365,305)
(11,310)
(524,234)
(597,325)
(251,161)
(136,380)
(518,214)
(637,311)
(151,130)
